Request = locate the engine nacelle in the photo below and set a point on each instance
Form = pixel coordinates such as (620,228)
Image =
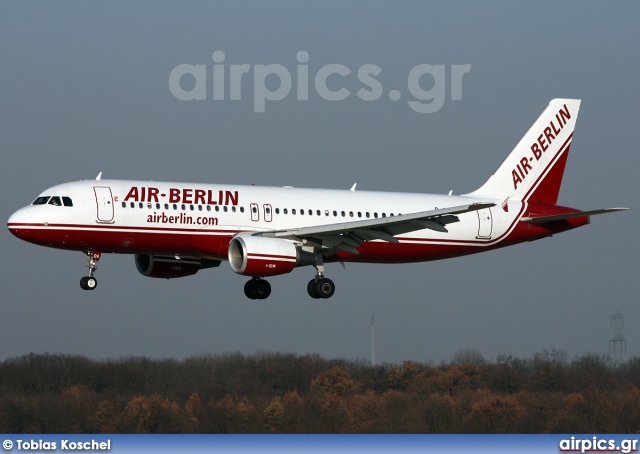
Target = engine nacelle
(261,256)
(169,267)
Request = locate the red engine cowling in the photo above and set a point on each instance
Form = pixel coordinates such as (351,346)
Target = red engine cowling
(260,256)
(169,267)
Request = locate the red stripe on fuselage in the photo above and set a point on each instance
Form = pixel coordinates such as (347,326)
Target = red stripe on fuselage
(214,243)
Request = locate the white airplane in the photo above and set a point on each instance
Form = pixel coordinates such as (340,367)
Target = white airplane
(176,229)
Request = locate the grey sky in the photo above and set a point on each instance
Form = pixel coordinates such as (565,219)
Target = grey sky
(84,88)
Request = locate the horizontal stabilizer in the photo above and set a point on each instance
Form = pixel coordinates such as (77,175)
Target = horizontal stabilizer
(561,217)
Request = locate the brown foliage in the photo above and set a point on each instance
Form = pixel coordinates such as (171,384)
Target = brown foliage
(284,393)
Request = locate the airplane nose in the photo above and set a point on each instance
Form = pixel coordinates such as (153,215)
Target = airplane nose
(18,222)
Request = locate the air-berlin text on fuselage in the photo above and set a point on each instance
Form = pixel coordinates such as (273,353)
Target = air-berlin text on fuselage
(548,135)
(183,195)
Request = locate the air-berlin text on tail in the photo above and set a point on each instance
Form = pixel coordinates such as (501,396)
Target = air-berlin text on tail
(540,146)
(182,195)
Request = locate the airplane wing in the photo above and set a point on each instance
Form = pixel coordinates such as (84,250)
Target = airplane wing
(348,235)
(561,217)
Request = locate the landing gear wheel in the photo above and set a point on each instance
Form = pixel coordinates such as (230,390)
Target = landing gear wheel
(88,283)
(257,289)
(325,288)
(263,289)
(91,283)
(311,289)
(250,290)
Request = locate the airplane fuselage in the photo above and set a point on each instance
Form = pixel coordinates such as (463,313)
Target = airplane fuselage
(138,217)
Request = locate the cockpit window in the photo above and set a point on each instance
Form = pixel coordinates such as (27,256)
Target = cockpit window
(41,200)
(55,200)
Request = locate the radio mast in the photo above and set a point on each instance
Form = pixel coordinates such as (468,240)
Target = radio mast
(373,342)
(617,344)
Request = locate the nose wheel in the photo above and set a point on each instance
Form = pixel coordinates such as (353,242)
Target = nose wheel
(89,282)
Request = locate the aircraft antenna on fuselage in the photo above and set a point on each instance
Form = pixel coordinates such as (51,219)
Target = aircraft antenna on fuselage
(99,176)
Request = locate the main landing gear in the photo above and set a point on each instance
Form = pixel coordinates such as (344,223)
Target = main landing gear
(257,289)
(320,286)
(90,282)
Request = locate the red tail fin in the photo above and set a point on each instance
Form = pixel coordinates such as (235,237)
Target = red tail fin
(534,168)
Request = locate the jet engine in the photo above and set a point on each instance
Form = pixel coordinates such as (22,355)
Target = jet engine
(261,256)
(169,267)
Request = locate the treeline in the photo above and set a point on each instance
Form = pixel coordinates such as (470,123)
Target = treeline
(287,393)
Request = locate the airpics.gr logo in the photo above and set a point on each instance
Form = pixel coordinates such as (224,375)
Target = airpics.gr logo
(595,444)
(426,84)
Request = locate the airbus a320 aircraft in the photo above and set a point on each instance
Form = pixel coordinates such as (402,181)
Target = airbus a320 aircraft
(175,229)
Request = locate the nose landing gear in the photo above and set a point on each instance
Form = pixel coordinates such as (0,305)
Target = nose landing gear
(90,282)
